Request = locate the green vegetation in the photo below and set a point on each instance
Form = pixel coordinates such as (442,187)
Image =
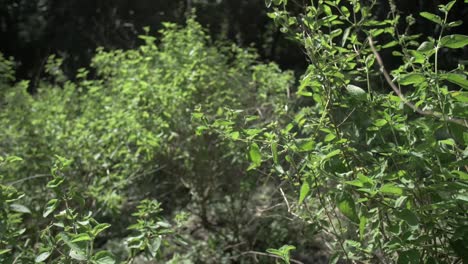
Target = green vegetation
(193,151)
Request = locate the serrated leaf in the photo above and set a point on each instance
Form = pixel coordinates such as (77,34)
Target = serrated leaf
(50,207)
(455,41)
(305,189)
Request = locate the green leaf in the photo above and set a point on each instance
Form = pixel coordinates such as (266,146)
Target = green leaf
(4,251)
(408,216)
(409,257)
(42,256)
(426,46)
(345,11)
(50,207)
(99,228)
(330,137)
(462,175)
(13,159)
(103,257)
(380,122)
(77,250)
(347,207)
(390,44)
(274,152)
(362,226)
(432,17)
(449,6)
(356,92)
(462,197)
(460,96)
(78,255)
(255,155)
(455,23)
(20,208)
(458,79)
(306,145)
(331,155)
(63,161)
(411,78)
(54,183)
(454,41)
(391,189)
(154,245)
(305,189)
(81,237)
(235,135)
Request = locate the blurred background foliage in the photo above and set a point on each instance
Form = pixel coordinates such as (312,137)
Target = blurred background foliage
(31,30)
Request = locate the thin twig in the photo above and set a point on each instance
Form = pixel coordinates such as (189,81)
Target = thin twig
(29,178)
(286,200)
(268,255)
(458,121)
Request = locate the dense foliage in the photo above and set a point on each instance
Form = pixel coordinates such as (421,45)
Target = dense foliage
(381,176)
(191,151)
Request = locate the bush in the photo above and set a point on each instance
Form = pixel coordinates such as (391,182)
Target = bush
(380,175)
(130,132)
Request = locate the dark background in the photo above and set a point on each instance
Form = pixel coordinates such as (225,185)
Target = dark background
(31,30)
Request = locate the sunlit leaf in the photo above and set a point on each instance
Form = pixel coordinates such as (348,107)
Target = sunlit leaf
(347,207)
(391,189)
(432,17)
(411,78)
(454,41)
(255,155)
(305,188)
(50,207)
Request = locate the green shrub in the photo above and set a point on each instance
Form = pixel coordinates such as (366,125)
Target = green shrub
(129,127)
(381,175)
